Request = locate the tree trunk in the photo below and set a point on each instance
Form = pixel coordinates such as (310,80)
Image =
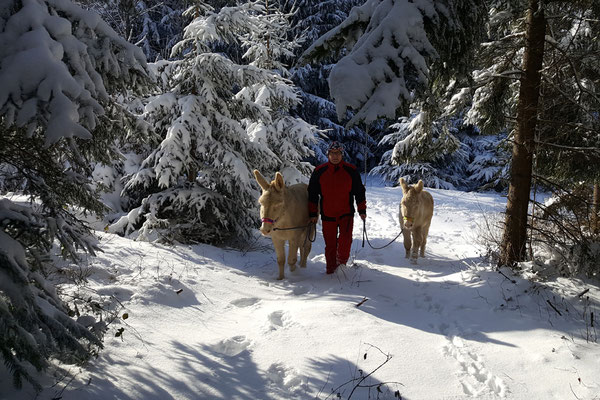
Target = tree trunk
(514,240)
(596,209)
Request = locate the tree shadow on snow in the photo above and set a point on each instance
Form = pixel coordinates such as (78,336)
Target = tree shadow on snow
(472,303)
(204,372)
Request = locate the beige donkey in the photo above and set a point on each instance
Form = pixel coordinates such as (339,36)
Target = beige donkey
(284,214)
(416,210)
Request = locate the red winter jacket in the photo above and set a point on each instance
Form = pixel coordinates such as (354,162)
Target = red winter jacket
(337,186)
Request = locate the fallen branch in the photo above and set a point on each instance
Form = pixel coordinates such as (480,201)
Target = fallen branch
(584,292)
(554,308)
(504,275)
(361,302)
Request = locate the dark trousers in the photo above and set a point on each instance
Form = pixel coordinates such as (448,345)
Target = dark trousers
(337,248)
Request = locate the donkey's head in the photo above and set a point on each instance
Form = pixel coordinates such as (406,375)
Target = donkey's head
(272,204)
(411,203)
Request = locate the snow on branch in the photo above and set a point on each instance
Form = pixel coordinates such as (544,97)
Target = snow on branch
(388,57)
(59,64)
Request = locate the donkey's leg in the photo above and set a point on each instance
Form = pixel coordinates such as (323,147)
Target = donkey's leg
(407,242)
(405,233)
(417,235)
(304,252)
(293,254)
(279,245)
(424,236)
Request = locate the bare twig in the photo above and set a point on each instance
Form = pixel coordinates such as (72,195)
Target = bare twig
(359,380)
(572,391)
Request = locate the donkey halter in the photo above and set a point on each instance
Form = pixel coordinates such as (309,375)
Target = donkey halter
(269,221)
(409,219)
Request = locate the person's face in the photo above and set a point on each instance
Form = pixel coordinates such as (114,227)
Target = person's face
(335,156)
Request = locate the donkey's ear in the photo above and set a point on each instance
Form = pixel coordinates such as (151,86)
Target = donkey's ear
(261,180)
(279,183)
(404,185)
(419,186)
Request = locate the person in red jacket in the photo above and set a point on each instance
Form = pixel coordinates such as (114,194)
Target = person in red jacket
(335,186)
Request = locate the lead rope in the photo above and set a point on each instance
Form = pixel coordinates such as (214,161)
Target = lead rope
(311,232)
(365,235)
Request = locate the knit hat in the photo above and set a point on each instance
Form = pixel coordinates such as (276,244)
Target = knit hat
(335,145)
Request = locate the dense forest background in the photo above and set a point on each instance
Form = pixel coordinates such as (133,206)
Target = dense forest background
(148,117)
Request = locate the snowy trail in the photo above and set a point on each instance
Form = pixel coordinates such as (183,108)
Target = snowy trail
(207,323)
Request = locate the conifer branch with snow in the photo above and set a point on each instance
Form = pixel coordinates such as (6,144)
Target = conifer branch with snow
(60,68)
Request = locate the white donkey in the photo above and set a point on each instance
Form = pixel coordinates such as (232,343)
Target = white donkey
(416,210)
(284,214)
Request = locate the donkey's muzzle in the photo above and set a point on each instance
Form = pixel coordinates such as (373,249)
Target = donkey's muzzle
(267,226)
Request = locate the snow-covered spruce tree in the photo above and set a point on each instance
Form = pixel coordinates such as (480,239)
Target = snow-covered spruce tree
(459,156)
(266,44)
(432,136)
(310,20)
(405,50)
(488,160)
(419,149)
(218,121)
(408,52)
(59,66)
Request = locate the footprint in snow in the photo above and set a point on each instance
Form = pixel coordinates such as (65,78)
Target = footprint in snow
(300,290)
(475,378)
(245,302)
(436,308)
(276,320)
(285,377)
(418,276)
(444,327)
(232,346)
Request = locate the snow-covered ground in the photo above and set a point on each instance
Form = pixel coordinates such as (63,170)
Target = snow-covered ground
(211,323)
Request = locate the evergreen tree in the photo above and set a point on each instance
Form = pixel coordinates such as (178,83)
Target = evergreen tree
(420,147)
(310,20)
(395,48)
(400,55)
(444,154)
(60,67)
(218,121)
